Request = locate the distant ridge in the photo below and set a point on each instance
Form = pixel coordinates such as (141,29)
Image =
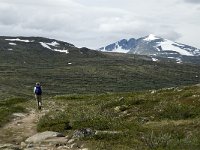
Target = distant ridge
(153,46)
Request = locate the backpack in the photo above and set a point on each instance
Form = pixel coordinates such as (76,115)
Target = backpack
(38,90)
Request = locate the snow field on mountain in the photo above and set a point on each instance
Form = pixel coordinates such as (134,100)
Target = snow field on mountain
(19,40)
(167,45)
(55,44)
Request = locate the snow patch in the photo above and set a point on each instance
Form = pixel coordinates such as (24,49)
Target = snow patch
(12,44)
(119,49)
(54,43)
(19,40)
(154,59)
(171,57)
(167,45)
(179,61)
(158,49)
(62,51)
(151,37)
(10,49)
(45,45)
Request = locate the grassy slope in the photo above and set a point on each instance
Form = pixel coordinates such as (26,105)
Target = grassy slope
(90,72)
(162,119)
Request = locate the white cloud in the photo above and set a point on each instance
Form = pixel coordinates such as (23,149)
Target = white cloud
(96,23)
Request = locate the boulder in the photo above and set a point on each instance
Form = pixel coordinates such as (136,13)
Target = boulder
(39,137)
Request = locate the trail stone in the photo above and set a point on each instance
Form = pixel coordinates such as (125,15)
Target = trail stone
(71,141)
(29,145)
(117,108)
(19,114)
(9,147)
(23,144)
(84,149)
(74,145)
(39,137)
(56,140)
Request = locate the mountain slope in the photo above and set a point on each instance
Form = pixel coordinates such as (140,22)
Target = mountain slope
(82,70)
(154,46)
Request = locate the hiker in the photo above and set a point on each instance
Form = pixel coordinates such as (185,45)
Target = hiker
(38,94)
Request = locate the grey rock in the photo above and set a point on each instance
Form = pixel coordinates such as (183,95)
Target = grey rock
(56,140)
(23,144)
(29,145)
(83,133)
(9,147)
(39,137)
(71,141)
(19,114)
(74,145)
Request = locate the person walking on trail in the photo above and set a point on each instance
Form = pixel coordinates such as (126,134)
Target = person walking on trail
(38,94)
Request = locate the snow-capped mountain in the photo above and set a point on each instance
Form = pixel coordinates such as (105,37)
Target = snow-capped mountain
(153,46)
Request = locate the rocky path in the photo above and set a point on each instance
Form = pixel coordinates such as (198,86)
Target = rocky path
(21,127)
(21,134)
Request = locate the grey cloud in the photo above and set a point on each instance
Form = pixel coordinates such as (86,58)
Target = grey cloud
(96,23)
(193,1)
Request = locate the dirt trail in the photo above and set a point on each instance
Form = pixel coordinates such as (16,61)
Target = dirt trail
(14,134)
(21,127)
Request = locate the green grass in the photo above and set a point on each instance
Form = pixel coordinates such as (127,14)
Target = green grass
(8,107)
(54,122)
(161,119)
(90,72)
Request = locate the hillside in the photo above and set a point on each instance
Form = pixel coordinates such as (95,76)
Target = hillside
(82,70)
(95,100)
(156,119)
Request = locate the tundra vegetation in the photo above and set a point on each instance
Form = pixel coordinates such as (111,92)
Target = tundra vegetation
(131,101)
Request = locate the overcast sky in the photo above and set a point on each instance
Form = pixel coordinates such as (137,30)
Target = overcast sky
(96,23)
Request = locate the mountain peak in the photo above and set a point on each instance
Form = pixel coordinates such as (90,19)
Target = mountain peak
(150,37)
(153,46)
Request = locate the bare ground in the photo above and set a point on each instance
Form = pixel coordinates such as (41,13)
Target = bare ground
(21,127)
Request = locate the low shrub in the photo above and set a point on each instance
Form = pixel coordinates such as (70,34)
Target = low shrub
(56,122)
(100,123)
(177,111)
(156,140)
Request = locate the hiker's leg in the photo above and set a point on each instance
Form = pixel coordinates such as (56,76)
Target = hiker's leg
(40,100)
(37,100)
